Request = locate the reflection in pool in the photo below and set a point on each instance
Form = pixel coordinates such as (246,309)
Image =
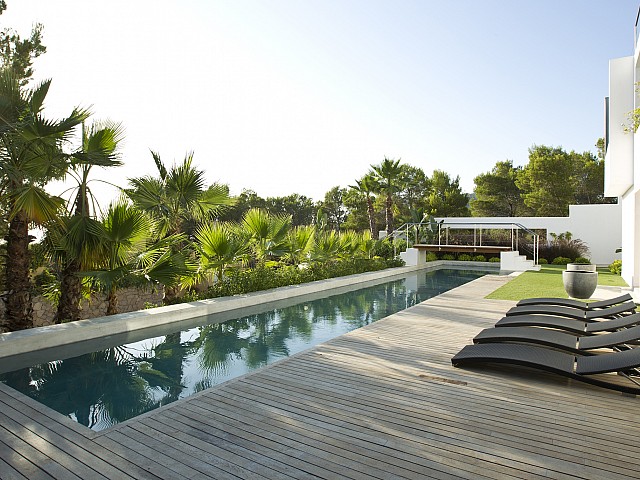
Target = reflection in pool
(108,386)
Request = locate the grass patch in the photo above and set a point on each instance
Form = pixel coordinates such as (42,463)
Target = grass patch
(547,283)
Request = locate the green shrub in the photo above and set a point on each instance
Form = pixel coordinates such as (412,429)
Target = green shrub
(463,257)
(480,258)
(392,262)
(494,259)
(563,245)
(263,278)
(384,248)
(582,260)
(616,267)
(448,256)
(561,261)
(431,257)
(543,261)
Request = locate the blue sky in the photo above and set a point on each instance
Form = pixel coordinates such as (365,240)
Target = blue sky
(284,96)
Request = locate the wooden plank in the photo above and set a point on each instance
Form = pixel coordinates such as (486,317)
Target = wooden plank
(146,458)
(389,392)
(204,433)
(20,454)
(185,461)
(51,450)
(267,433)
(99,459)
(17,462)
(454,425)
(7,472)
(235,412)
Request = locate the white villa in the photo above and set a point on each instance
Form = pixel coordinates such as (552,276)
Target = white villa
(622,161)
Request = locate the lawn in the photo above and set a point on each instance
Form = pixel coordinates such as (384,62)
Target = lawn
(547,283)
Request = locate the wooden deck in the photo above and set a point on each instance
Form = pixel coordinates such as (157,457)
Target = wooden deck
(382,402)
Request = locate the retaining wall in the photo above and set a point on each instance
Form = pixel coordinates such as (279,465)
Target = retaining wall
(129,300)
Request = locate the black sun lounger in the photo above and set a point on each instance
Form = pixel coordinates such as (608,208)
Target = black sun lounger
(560,340)
(570,302)
(589,315)
(572,366)
(580,327)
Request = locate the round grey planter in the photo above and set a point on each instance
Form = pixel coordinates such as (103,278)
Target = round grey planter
(573,267)
(579,283)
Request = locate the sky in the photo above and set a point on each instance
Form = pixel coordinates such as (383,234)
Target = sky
(299,96)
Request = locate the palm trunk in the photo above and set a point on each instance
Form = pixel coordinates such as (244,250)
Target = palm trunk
(70,294)
(372,218)
(112,301)
(389,216)
(19,309)
(170,295)
(71,284)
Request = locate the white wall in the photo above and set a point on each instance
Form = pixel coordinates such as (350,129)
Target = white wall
(622,162)
(620,152)
(630,238)
(599,226)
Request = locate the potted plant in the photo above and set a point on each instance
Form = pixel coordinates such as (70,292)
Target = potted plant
(582,264)
(580,278)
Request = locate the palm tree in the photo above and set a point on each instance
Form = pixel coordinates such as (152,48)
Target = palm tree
(299,244)
(268,233)
(30,157)
(178,197)
(327,246)
(366,186)
(220,245)
(178,201)
(129,253)
(78,248)
(387,173)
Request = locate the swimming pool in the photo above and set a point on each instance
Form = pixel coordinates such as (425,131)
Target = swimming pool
(113,383)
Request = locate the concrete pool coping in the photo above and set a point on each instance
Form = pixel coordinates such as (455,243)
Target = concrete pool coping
(52,336)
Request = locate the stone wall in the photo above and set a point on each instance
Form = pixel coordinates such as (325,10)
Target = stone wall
(129,300)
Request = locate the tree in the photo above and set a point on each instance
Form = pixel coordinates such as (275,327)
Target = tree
(413,188)
(244,202)
(301,208)
(546,181)
(30,156)
(18,54)
(267,234)
(366,186)
(77,248)
(387,174)
(588,179)
(220,245)
(445,198)
(357,217)
(497,194)
(333,207)
(178,201)
(601,149)
(299,244)
(126,236)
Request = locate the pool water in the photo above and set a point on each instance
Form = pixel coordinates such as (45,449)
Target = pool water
(109,386)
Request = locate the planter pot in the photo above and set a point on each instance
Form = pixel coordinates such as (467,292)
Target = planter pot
(579,283)
(581,267)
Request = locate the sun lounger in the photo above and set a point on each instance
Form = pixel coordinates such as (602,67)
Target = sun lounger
(570,302)
(579,327)
(589,315)
(621,339)
(573,366)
